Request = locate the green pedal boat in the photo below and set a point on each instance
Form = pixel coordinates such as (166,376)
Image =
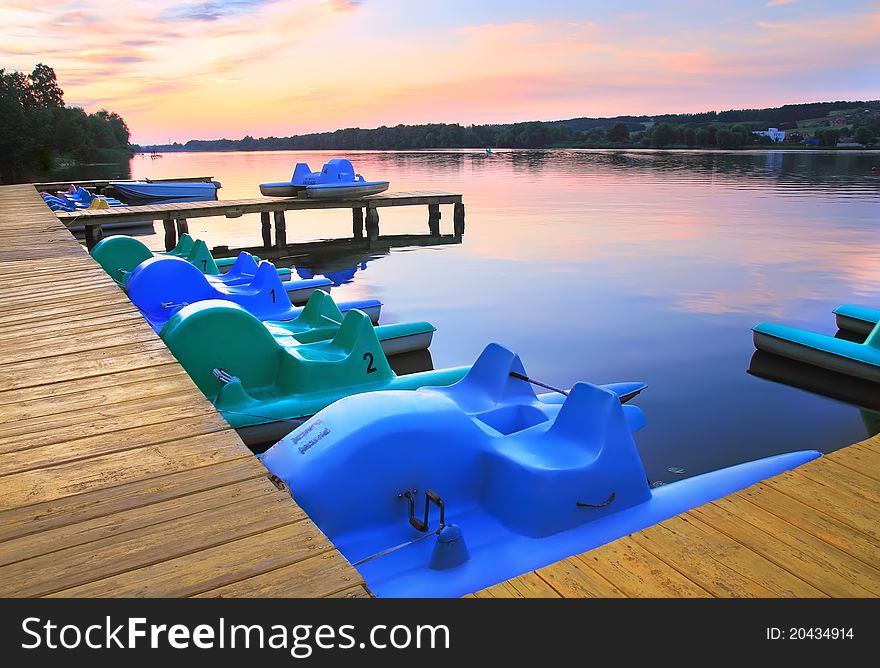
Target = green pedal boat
(120,254)
(265,384)
(321,319)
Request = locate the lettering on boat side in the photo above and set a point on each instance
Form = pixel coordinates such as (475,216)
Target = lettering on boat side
(305,432)
(305,446)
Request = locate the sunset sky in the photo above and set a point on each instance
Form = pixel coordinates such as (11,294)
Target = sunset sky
(183,70)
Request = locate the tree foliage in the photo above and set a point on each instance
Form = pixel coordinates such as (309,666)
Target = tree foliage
(37,129)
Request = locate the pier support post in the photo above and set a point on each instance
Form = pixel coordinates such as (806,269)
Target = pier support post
(357,222)
(458,219)
(372,223)
(266,229)
(170,233)
(434,219)
(94,234)
(280,232)
(182,227)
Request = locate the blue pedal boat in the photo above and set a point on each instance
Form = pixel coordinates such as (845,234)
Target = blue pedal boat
(161,286)
(447,490)
(860,360)
(336,180)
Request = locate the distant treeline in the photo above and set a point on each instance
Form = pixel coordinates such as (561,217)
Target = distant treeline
(725,129)
(37,132)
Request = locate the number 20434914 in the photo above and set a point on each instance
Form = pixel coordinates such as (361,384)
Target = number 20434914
(809,633)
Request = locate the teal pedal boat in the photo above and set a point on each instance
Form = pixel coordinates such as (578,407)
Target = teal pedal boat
(120,254)
(859,360)
(321,319)
(858,319)
(263,386)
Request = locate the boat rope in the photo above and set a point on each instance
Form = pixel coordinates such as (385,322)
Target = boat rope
(270,418)
(581,504)
(520,376)
(224,378)
(397,547)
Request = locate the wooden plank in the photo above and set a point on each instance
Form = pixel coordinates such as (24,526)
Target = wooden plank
(826,568)
(83,564)
(75,366)
(574,579)
(106,501)
(119,523)
(803,516)
(68,479)
(527,585)
(718,564)
(226,565)
(639,573)
(834,500)
(325,574)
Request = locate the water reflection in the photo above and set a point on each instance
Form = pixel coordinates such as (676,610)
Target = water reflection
(615,265)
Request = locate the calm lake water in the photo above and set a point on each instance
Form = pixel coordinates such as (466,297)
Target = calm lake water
(610,266)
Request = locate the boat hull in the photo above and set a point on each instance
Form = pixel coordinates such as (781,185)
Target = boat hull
(280,189)
(143,192)
(858,319)
(347,191)
(825,352)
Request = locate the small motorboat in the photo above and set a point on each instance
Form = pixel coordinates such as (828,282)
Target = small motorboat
(263,386)
(858,319)
(860,360)
(158,192)
(336,180)
(162,285)
(447,490)
(120,254)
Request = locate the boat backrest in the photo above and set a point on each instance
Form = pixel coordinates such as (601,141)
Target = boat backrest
(488,383)
(873,339)
(201,257)
(245,265)
(183,246)
(337,169)
(319,311)
(160,285)
(216,334)
(119,255)
(300,172)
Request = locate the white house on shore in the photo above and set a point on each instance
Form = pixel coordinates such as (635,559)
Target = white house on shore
(775,134)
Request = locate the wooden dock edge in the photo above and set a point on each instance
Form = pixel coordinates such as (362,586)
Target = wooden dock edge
(812,532)
(118,477)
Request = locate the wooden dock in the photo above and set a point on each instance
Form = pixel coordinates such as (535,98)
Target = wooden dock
(117,477)
(810,532)
(174,216)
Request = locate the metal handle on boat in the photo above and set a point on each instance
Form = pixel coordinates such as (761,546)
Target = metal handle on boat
(581,504)
(168,305)
(520,376)
(430,497)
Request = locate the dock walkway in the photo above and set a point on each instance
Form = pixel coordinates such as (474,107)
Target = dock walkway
(810,532)
(117,476)
(174,215)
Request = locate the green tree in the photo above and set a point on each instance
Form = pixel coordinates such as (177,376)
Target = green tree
(703,137)
(690,137)
(619,132)
(44,88)
(662,135)
(724,138)
(864,136)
